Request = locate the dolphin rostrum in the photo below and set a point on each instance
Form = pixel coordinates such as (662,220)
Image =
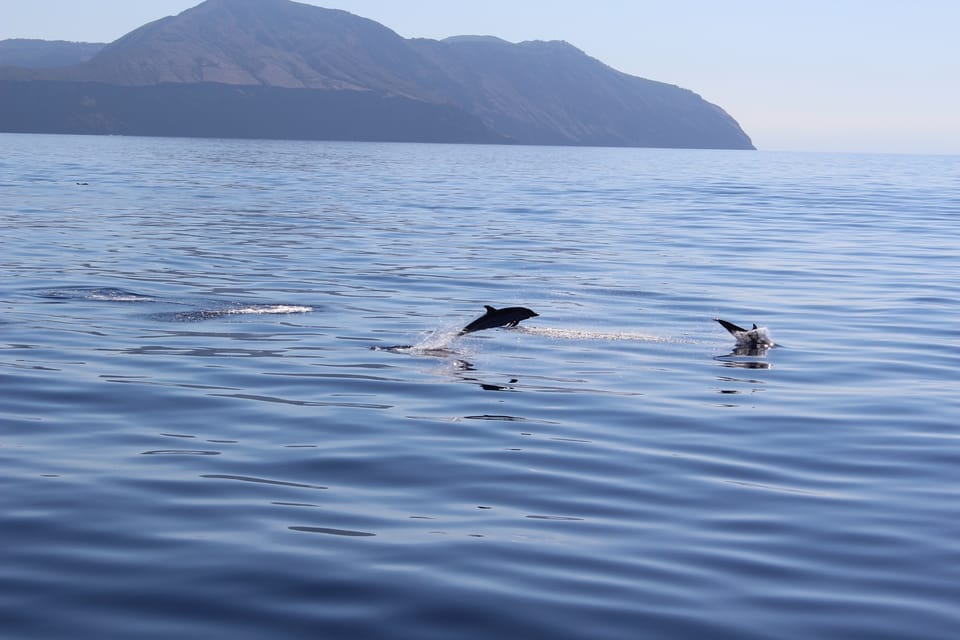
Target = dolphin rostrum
(751,342)
(507,317)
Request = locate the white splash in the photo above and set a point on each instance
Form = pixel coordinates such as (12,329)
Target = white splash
(758,337)
(438,339)
(435,343)
(263,309)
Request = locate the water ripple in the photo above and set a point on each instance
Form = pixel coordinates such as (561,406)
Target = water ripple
(278,483)
(607,469)
(332,532)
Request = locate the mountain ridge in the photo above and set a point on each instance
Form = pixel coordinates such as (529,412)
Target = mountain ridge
(533,92)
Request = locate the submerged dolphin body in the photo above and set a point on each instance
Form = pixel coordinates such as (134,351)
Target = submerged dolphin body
(750,342)
(508,317)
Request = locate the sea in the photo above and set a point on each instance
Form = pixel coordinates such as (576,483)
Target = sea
(235,401)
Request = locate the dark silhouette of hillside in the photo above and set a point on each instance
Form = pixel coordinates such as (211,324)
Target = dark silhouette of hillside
(216,110)
(293,58)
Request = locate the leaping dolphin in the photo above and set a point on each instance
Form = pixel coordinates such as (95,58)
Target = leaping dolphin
(750,342)
(508,317)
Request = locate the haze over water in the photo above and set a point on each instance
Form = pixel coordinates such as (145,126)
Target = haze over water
(207,428)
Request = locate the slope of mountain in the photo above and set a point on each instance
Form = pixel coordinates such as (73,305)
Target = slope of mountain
(553,93)
(531,92)
(38,54)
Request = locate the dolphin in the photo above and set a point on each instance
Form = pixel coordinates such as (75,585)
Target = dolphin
(508,317)
(750,342)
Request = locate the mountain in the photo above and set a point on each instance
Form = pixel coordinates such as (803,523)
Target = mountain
(530,92)
(274,43)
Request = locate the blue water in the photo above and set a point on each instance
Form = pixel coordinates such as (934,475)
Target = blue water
(234,404)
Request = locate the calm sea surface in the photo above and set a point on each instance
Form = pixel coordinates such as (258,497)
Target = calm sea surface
(234,404)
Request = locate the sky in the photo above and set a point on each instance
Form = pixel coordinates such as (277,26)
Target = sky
(875,76)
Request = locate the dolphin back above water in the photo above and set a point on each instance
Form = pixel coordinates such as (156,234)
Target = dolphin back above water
(753,341)
(506,317)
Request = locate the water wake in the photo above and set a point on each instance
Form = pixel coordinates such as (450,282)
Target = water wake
(206,311)
(196,315)
(440,343)
(589,334)
(106,294)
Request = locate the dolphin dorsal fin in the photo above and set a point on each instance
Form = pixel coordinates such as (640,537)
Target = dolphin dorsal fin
(729,326)
(755,326)
(489,308)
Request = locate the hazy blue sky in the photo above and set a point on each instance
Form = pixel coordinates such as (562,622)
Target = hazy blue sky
(830,75)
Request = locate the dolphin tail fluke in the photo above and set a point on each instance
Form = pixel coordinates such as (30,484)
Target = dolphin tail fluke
(732,328)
